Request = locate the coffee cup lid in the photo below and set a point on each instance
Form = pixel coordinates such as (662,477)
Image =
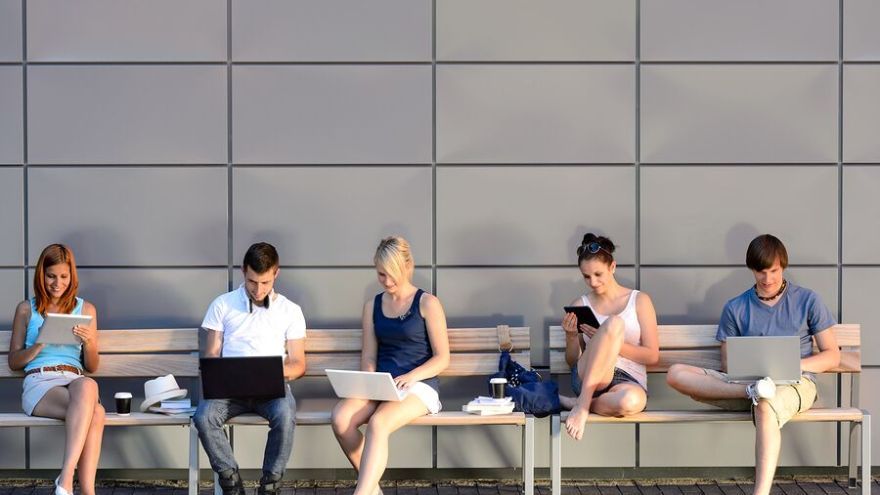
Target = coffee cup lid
(122,395)
(498,380)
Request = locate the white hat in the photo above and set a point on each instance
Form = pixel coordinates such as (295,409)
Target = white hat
(159,389)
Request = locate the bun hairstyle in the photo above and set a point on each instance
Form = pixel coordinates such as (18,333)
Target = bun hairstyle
(595,247)
(394,257)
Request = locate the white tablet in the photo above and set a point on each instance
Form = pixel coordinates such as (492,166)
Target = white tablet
(58,328)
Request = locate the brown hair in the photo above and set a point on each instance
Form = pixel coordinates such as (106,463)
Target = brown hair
(764,250)
(595,246)
(260,257)
(55,254)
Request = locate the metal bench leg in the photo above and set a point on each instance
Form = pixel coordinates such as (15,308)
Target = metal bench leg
(853,463)
(555,455)
(528,463)
(866,453)
(193,459)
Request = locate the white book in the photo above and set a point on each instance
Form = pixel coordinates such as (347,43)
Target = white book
(487,410)
(176,404)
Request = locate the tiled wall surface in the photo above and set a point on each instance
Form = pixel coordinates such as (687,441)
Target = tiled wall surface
(161,138)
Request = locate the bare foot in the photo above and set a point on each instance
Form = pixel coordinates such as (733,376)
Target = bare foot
(567,402)
(576,422)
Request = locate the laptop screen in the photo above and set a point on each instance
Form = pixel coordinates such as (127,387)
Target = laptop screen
(257,377)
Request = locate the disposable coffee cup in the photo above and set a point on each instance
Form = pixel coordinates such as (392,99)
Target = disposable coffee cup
(123,403)
(498,387)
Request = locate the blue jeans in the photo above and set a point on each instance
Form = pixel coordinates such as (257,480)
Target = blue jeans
(213,414)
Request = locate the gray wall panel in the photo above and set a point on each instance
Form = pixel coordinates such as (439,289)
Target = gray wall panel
(11,217)
(332,114)
(10,30)
(697,445)
(279,205)
(861,209)
(747,30)
(151,298)
(146,447)
(861,113)
(11,293)
(333,297)
(861,39)
(870,383)
(859,305)
(697,295)
(12,454)
(140,30)
(331,30)
(179,214)
(531,297)
(557,30)
(726,207)
(127,114)
(535,114)
(518,215)
(11,122)
(741,113)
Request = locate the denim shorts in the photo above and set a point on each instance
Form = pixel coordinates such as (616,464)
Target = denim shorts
(619,377)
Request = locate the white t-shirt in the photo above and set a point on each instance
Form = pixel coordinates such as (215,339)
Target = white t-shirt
(254,330)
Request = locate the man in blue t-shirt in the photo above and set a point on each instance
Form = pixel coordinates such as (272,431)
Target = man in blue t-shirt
(773,306)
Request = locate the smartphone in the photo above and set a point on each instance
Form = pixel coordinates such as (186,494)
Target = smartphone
(584,315)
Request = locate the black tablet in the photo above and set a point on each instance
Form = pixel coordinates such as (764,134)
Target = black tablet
(584,315)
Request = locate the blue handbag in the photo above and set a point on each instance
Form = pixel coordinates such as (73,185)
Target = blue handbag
(530,393)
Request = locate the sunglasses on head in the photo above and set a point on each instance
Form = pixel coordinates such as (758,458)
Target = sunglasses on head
(591,247)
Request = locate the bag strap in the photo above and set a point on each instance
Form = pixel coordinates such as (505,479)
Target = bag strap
(504,341)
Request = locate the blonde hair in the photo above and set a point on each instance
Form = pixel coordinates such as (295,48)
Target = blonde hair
(394,257)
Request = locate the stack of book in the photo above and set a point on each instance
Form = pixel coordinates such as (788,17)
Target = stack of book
(174,406)
(487,406)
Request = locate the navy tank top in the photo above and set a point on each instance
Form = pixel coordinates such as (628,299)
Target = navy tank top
(403,343)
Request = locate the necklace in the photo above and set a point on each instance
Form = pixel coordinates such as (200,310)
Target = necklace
(774,296)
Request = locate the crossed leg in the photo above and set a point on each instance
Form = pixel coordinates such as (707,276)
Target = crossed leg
(699,385)
(595,370)
(77,404)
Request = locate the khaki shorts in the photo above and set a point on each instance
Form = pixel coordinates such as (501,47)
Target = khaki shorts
(789,400)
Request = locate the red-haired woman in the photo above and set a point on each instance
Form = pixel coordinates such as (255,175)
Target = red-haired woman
(54,385)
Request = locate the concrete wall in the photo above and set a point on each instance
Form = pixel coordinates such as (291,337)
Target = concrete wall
(160,138)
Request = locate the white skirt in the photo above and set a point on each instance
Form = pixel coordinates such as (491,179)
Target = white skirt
(429,397)
(36,385)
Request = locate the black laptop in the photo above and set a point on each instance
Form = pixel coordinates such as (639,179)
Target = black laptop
(256,377)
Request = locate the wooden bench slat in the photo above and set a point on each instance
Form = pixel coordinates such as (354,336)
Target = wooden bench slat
(466,364)
(135,419)
(850,361)
(701,336)
(718,415)
(450,418)
(152,340)
(136,365)
(460,339)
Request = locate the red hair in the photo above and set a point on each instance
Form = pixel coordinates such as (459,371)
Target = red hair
(55,254)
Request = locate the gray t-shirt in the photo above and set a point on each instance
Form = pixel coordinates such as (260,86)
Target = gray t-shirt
(799,311)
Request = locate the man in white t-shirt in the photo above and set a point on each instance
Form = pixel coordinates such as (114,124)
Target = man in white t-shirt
(253,320)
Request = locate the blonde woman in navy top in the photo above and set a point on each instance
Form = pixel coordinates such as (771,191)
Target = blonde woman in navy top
(54,385)
(405,335)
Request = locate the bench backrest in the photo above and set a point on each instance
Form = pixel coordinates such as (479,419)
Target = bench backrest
(696,345)
(156,352)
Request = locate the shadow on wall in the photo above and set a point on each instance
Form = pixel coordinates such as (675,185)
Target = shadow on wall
(708,308)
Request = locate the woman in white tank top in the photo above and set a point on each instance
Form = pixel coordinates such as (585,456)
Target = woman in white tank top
(608,363)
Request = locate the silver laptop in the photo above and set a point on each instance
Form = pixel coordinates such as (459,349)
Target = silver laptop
(752,358)
(364,385)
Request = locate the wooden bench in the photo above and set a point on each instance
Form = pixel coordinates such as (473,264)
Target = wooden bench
(150,353)
(142,354)
(696,345)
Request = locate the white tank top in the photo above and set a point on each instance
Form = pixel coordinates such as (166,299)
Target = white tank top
(632,335)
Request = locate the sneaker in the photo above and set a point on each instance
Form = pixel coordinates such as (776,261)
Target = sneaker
(761,389)
(230,483)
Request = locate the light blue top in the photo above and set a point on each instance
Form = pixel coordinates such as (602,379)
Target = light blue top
(52,354)
(799,311)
